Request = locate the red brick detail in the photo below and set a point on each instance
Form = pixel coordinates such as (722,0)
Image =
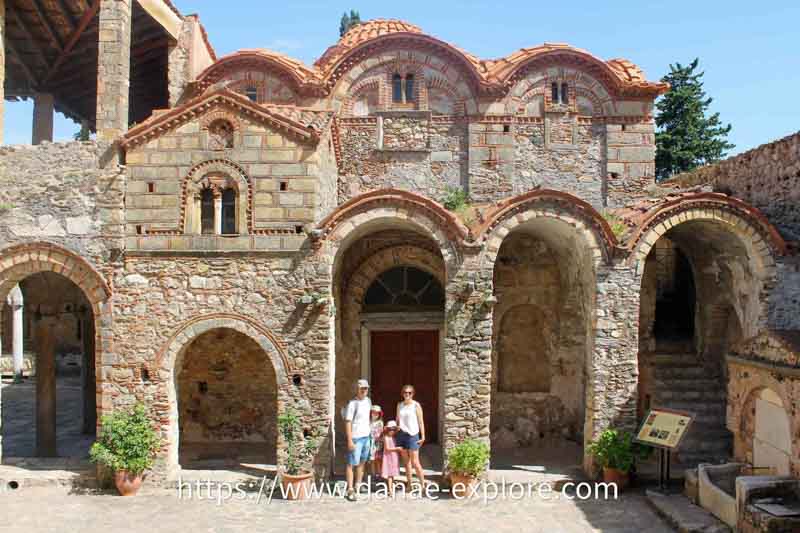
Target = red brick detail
(213,165)
(576,207)
(708,200)
(446,220)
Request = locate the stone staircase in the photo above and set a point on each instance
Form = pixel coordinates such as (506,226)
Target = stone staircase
(680,382)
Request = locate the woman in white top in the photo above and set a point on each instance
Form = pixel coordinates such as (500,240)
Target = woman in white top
(412,433)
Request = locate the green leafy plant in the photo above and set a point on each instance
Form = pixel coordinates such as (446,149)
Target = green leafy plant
(127,441)
(454,199)
(468,458)
(5,207)
(616,449)
(618,227)
(299,449)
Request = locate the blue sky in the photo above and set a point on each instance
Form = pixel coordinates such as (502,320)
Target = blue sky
(750,51)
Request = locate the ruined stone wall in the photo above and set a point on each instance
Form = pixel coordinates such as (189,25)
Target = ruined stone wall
(418,153)
(58,192)
(784,298)
(630,160)
(159,297)
(767,177)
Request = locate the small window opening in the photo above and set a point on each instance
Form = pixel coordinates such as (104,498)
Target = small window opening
(564,93)
(298,229)
(554,92)
(252,94)
(138,229)
(397,88)
(207,212)
(506,128)
(202,386)
(228,212)
(151,187)
(409,88)
(145,374)
(623,127)
(284,186)
(297,379)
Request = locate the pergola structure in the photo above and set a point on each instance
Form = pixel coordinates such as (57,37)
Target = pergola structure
(65,53)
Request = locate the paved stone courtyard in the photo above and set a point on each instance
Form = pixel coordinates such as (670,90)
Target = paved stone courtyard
(89,512)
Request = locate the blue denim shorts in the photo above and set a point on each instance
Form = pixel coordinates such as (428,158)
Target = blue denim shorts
(361,452)
(406,441)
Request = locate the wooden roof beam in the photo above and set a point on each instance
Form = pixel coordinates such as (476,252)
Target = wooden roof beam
(18,60)
(48,26)
(66,12)
(86,19)
(24,27)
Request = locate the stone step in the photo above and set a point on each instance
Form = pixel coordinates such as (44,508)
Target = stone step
(665,397)
(690,384)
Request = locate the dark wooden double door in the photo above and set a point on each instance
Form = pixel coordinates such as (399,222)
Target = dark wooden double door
(407,357)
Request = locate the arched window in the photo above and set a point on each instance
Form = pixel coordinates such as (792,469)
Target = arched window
(251,93)
(404,289)
(397,88)
(554,92)
(207,212)
(409,88)
(229,212)
(564,93)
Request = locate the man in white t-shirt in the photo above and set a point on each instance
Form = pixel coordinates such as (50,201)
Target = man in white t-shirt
(356,427)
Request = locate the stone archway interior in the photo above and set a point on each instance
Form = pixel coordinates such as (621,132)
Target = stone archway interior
(227,401)
(699,293)
(543,287)
(51,411)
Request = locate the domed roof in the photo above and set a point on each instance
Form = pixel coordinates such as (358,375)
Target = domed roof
(362,33)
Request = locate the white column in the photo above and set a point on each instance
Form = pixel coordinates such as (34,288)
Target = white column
(16,302)
(217,214)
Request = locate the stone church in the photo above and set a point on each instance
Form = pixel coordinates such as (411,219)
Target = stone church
(248,235)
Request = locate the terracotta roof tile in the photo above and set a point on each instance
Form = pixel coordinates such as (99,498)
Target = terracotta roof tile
(361,33)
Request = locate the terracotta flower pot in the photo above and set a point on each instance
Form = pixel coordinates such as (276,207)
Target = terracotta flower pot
(297,487)
(614,475)
(127,484)
(461,484)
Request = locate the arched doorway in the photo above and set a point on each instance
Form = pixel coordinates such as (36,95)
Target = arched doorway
(50,409)
(544,286)
(227,396)
(699,291)
(403,347)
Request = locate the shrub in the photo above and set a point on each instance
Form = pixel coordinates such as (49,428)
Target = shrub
(455,199)
(618,227)
(127,441)
(299,449)
(468,458)
(615,449)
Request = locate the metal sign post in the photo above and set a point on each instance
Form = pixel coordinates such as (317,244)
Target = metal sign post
(664,429)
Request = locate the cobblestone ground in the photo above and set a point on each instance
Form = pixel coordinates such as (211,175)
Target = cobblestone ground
(46,509)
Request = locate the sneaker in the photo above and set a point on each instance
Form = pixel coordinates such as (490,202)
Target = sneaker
(350,496)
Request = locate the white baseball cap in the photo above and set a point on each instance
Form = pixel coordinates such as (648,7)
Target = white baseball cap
(363,384)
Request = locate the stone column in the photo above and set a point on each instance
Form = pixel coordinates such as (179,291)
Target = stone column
(43,109)
(2,67)
(45,390)
(113,68)
(217,213)
(16,302)
(178,61)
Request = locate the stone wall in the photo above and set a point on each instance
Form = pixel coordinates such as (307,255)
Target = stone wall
(58,192)
(376,155)
(767,177)
(159,297)
(630,161)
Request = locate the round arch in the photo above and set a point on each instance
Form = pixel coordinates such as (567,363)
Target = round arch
(224,167)
(547,204)
(739,218)
(169,358)
(299,77)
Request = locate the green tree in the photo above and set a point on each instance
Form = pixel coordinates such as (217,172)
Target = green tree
(348,21)
(686,137)
(84,134)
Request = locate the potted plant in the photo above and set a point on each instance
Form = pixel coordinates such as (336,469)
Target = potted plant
(466,462)
(127,444)
(296,480)
(616,453)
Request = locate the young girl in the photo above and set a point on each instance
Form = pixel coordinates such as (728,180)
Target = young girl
(390,468)
(376,433)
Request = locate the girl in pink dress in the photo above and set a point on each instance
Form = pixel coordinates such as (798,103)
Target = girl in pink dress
(390,468)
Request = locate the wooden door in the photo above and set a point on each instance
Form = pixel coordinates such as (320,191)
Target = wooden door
(407,357)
